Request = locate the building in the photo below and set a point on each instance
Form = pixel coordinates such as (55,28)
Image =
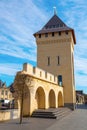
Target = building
(80,97)
(85,98)
(5,94)
(51,84)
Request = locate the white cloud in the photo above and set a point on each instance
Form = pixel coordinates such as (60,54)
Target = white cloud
(72,2)
(9,68)
(76,17)
(81,65)
(19,20)
(18,52)
(81,73)
(18,23)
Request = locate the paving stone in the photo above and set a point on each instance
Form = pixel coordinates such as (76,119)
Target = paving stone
(77,120)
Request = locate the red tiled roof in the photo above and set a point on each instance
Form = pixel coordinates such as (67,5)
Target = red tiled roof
(55,24)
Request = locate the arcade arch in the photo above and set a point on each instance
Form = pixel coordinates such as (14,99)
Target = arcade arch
(52,99)
(40,98)
(60,99)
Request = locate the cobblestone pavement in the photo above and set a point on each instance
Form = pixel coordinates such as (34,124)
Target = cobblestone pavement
(77,120)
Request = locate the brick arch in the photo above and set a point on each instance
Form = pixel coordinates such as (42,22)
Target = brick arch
(60,99)
(52,99)
(40,98)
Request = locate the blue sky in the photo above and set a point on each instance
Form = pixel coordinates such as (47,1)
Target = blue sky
(20,19)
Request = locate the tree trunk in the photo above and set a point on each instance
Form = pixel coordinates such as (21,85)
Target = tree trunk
(21,109)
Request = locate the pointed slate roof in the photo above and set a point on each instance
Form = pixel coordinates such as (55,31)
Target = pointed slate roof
(55,24)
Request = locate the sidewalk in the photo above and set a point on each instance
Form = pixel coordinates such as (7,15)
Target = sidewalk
(77,120)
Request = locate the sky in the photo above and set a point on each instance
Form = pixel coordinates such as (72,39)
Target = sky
(20,19)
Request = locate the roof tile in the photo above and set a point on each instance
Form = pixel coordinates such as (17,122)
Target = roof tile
(55,24)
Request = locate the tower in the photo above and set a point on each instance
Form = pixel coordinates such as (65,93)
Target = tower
(55,54)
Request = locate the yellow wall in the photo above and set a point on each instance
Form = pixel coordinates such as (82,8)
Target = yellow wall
(39,90)
(62,46)
(9,114)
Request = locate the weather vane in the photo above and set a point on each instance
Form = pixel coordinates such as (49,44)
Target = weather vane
(55,11)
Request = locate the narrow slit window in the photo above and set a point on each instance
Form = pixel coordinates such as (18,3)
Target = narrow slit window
(58,60)
(59,33)
(48,61)
(66,32)
(39,35)
(52,34)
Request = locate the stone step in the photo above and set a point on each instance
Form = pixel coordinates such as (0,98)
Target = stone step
(53,113)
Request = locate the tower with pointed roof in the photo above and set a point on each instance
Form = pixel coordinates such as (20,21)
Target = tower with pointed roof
(55,54)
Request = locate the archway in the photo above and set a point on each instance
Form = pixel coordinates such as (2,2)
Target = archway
(40,98)
(60,99)
(52,102)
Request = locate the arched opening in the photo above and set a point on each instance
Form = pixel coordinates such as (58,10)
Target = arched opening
(52,102)
(60,100)
(40,98)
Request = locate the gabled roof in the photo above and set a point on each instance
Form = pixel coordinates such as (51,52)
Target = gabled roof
(2,84)
(55,24)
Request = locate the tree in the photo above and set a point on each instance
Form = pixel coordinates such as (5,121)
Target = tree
(21,86)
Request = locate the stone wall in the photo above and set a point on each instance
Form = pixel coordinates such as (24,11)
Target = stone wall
(9,114)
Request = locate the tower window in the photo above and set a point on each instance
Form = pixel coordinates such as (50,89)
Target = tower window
(60,83)
(52,34)
(39,35)
(58,60)
(59,33)
(46,34)
(48,61)
(66,32)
